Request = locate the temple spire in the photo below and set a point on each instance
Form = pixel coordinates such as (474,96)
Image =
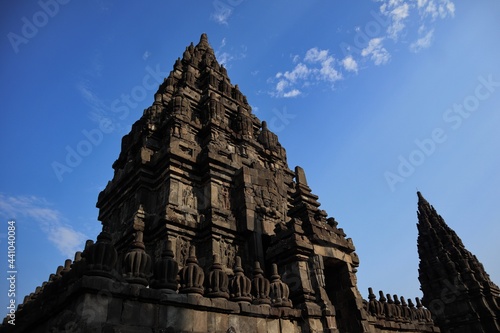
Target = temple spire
(456,287)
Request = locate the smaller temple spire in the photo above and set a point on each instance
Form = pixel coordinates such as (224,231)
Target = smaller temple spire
(447,268)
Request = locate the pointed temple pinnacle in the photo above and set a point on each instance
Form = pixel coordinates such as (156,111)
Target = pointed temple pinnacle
(203,44)
(425,208)
(421,198)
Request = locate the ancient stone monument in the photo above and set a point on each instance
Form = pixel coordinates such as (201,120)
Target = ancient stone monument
(455,285)
(206,229)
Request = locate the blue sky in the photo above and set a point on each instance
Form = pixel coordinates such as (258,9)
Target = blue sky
(374,99)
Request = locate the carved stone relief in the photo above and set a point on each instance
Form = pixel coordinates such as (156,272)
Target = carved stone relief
(227,253)
(223,197)
(174,192)
(182,250)
(188,197)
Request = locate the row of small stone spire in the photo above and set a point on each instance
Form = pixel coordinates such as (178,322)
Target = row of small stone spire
(397,308)
(100,259)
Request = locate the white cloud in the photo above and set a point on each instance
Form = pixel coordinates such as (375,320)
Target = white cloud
(224,57)
(399,11)
(292,93)
(281,89)
(328,72)
(398,15)
(376,51)
(436,8)
(50,221)
(281,86)
(315,55)
(350,64)
(318,66)
(299,72)
(221,14)
(422,43)
(146,55)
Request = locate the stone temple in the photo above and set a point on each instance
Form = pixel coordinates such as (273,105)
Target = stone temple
(205,228)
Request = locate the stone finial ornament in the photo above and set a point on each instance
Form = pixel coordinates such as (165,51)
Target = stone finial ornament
(260,286)
(398,311)
(100,257)
(218,281)
(389,307)
(382,301)
(137,263)
(191,276)
(406,310)
(67,267)
(374,306)
(240,286)
(413,310)
(425,313)
(165,270)
(279,291)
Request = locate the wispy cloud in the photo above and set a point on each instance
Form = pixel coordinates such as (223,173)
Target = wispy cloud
(397,11)
(98,108)
(436,8)
(317,66)
(423,42)
(221,14)
(146,55)
(376,51)
(49,220)
(395,22)
(224,57)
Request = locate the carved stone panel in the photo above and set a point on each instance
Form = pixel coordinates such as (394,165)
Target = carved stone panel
(174,192)
(188,197)
(227,253)
(182,250)
(223,197)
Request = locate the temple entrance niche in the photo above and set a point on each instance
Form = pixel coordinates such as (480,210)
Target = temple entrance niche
(339,289)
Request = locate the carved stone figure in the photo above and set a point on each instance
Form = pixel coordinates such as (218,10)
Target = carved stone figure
(223,197)
(188,197)
(182,246)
